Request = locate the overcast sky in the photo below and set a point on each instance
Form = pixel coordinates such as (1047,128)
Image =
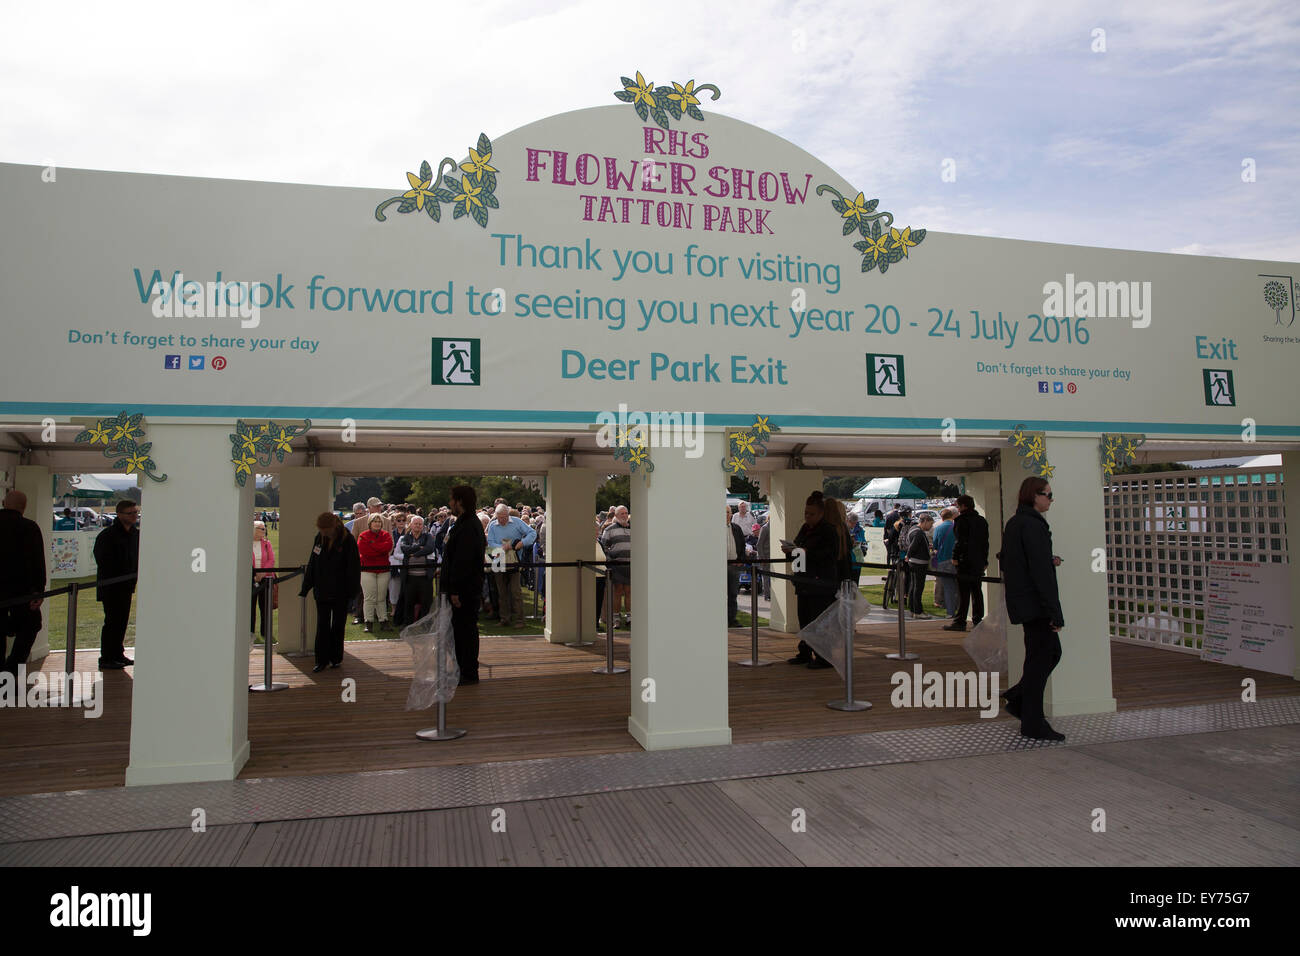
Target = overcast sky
(1140,145)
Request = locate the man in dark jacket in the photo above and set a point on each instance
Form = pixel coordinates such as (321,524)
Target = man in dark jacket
(117,552)
(733,571)
(462,578)
(22,572)
(970,556)
(1029,581)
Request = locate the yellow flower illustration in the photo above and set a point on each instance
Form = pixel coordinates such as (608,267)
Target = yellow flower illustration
(123,431)
(478,164)
(638,456)
(762,425)
(245,464)
(641,92)
(282,441)
(684,95)
(876,247)
(1036,448)
(1018,439)
(249,443)
(744,442)
(136,463)
(421,189)
(1130,450)
(98,433)
(856,209)
(469,194)
(1046,471)
(736,464)
(902,239)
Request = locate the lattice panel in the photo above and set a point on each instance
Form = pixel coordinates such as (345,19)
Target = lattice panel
(1162,529)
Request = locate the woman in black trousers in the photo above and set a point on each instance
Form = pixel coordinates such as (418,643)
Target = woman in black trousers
(334,570)
(824,551)
(462,578)
(1029,578)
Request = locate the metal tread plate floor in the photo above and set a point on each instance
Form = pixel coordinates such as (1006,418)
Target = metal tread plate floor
(256,800)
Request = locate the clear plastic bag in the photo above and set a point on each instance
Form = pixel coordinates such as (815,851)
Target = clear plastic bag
(987,642)
(434,650)
(826,634)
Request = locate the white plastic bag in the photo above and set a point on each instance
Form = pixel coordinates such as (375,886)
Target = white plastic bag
(436,671)
(987,642)
(826,635)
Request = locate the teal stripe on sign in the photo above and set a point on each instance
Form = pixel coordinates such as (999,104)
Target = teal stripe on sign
(549,416)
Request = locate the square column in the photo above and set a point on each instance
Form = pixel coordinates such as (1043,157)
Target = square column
(570,536)
(679,600)
(304,494)
(790,488)
(36,482)
(1081,683)
(1291,479)
(189,718)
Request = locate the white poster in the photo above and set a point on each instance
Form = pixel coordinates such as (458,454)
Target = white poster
(1248,616)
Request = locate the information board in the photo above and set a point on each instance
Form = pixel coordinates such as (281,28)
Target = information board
(1248,616)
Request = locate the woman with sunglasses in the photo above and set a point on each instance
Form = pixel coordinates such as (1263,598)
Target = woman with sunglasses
(1029,581)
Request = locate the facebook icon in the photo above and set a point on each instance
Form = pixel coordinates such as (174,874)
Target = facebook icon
(196,362)
(171,361)
(1042,386)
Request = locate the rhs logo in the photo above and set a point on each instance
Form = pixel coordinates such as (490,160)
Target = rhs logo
(1279,296)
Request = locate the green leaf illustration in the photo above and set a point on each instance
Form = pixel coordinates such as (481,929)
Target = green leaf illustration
(489,200)
(625,96)
(426,171)
(484,144)
(868,263)
(444,195)
(433,209)
(407,205)
(694,113)
(480,215)
(849,226)
(460,211)
(642,111)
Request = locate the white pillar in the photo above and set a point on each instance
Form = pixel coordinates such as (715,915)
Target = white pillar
(35,482)
(189,719)
(570,536)
(1291,479)
(790,488)
(1081,683)
(304,494)
(679,600)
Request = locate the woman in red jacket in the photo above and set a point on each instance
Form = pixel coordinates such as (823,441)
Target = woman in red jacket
(375,545)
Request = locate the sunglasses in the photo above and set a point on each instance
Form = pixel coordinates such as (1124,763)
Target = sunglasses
(1047,495)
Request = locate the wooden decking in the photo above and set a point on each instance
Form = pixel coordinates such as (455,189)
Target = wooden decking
(541,700)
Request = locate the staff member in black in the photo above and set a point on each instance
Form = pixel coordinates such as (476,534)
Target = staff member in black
(22,571)
(1029,577)
(334,570)
(462,577)
(117,552)
(970,556)
(814,588)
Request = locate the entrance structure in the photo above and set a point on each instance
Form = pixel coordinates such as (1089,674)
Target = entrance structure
(648,263)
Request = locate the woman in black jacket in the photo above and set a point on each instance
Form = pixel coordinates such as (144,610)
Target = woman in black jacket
(334,570)
(464,550)
(814,587)
(1029,580)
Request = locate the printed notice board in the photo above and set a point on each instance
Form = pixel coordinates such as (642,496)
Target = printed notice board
(1248,616)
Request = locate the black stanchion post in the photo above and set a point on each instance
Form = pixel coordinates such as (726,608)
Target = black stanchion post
(70,649)
(608,667)
(902,654)
(268,632)
(441,732)
(578,641)
(753,623)
(848,703)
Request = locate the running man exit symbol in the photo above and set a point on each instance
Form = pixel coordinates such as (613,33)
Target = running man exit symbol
(456,362)
(885,375)
(1218,386)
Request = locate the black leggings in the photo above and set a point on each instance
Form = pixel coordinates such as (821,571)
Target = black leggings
(331,620)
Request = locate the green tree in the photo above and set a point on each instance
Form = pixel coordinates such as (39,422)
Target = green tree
(395,489)
(616,491)
(843,486)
